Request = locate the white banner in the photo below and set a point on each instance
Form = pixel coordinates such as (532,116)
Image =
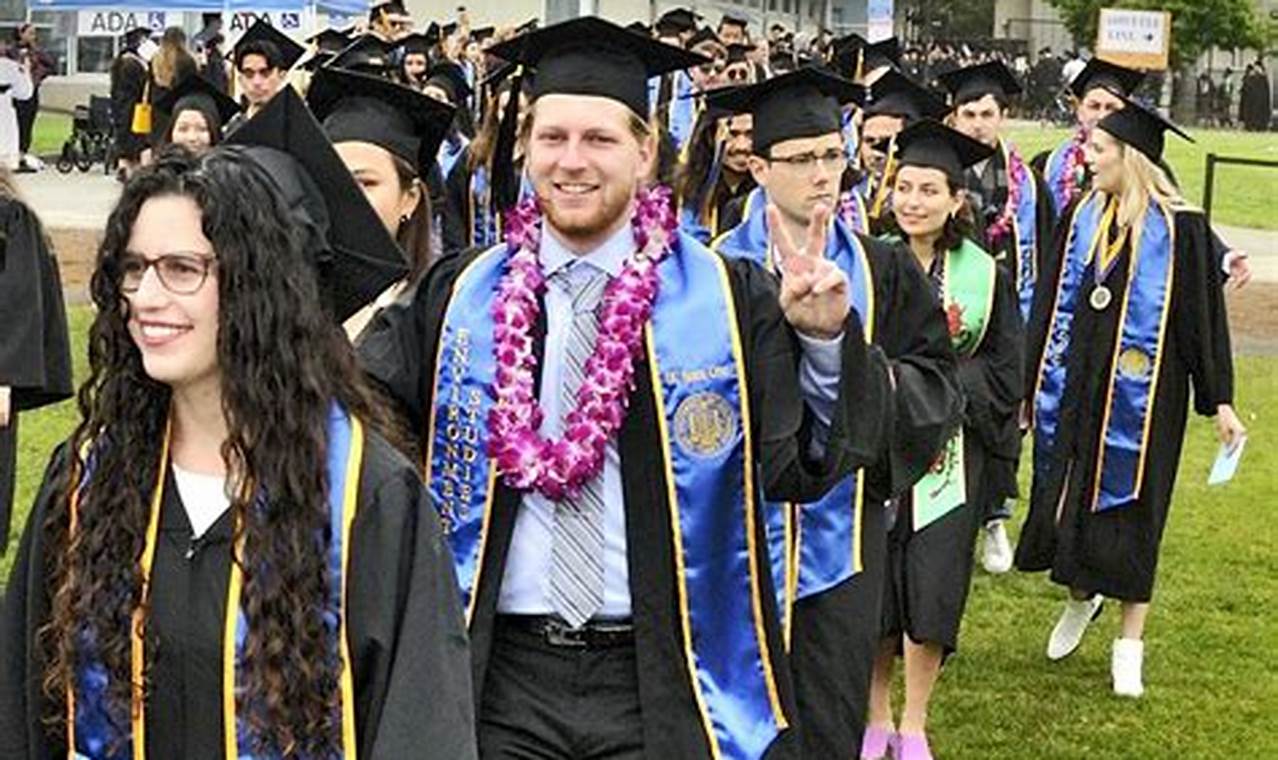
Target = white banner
(292,23)
(116,23)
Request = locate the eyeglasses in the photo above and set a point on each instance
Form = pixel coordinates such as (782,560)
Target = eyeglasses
(833,160)
(181,273)
(738,74)
(714,67)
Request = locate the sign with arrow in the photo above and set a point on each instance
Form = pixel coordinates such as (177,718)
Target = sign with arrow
(1136,39)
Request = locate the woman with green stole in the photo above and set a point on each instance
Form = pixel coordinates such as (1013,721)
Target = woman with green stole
(1131,312)
(929,564)
(227,559)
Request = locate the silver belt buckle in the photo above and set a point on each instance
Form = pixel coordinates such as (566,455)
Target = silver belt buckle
(560,635)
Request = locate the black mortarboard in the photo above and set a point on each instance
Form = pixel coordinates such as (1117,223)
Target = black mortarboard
(449,29)
(354,255)
(316,61)
(932,144)
(416,43)
(483,33)
(358,107)
(638,27)
(367,53)
(895,94)
(975,82)
(848,54)
(731,18)
(498,75)
(329,40)
(803,103)
(591,56)
(677,21)
(883,53)
(703,35)
(1119,80)
(528,26)
(195,87)
(738,52)
(393,7)
(1141,128)
(451,77)
(262,31)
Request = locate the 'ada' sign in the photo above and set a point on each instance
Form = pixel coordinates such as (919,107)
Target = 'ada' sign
(115,23)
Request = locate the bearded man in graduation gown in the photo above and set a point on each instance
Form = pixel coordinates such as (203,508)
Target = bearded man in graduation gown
(829,555)
(617,581)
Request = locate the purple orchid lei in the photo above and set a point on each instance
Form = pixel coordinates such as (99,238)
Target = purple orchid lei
(1016,175)
(558,468)
(1074,160)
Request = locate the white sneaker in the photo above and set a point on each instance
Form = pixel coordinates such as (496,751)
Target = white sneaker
(1129,654)
(1069,630)
(997,557)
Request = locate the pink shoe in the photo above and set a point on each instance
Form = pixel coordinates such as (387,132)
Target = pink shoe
(913,747)
(875,743)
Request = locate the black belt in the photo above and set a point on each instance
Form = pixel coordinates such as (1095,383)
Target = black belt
(594,634)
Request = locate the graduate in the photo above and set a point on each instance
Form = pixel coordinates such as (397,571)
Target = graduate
(294,595)
(446,83)
(711,185)
(1130,315)
(892,103)
(935,522)
(414,53)
(831,589)
(263,56)
(387,136)
(35,355)
(1015,224)
(617,581)
(197,110)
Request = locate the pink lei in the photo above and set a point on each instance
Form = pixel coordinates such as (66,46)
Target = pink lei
(525,459)
(1071,179)
(1017,174)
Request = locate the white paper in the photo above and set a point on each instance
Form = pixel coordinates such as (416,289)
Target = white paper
(1226,464)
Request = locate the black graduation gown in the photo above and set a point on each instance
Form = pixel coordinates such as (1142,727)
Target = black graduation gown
(129,76)
(836,633)
(35,355)
(730,204)
(1115,552)
(929,571)
(407,642)
(458,224)
(399,351)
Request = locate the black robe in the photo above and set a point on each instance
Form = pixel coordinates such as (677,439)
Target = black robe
(929,571)
(458,222)
(129,76)
(1115,552)
(35,355)
(407,643)
(399,351)
(836,633)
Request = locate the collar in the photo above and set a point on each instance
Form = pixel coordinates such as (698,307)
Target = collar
(610,256)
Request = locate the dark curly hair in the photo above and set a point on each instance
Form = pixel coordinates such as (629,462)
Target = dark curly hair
(958,227)
(283,362)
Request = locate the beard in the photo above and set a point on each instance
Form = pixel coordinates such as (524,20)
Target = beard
(590,220)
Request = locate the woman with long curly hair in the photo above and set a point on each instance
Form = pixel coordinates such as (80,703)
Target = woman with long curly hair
(227,557)
(929,563)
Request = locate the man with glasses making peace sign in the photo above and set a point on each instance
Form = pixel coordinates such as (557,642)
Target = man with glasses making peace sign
(829,556)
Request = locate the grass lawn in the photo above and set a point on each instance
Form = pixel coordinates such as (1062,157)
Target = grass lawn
(1209,692)
(1244,195)
(51,130)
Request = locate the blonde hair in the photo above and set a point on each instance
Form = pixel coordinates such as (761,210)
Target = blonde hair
(1146,182)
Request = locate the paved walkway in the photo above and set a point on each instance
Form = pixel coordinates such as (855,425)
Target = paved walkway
(83,201)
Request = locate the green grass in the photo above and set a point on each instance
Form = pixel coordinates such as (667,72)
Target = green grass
(1211,688)
(51,130)
(1244,195)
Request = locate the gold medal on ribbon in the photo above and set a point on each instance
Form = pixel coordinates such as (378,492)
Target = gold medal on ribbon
(1101,297)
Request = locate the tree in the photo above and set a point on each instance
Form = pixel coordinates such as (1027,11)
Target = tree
(1197,25)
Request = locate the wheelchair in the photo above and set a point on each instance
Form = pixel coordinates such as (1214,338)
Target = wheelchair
(90,140)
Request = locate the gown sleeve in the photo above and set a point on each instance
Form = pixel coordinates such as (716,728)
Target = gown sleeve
(1199,317)
(926,400)
(409,644)
(456,215)
(992,378)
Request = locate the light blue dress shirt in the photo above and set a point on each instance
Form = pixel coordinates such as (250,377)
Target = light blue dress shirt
(527,571)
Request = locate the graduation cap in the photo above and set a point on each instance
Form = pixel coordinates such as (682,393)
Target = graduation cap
(847,58)
(638,27)
(483,33)
(329,40)
(677,21)
(975,82)
(363,108)
(591,56)
(1119,80)
(367,53)
(1142,128)
(882,53)
(354,255)
(417,43)
(386,7)
(895,94)
(931,144)
(737,53)
(803,103)
(196,91)
(704,34)
(498,76)
(317,61)
(449,29)
(528,26)
(262,32)
(731,18)
(451,78)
